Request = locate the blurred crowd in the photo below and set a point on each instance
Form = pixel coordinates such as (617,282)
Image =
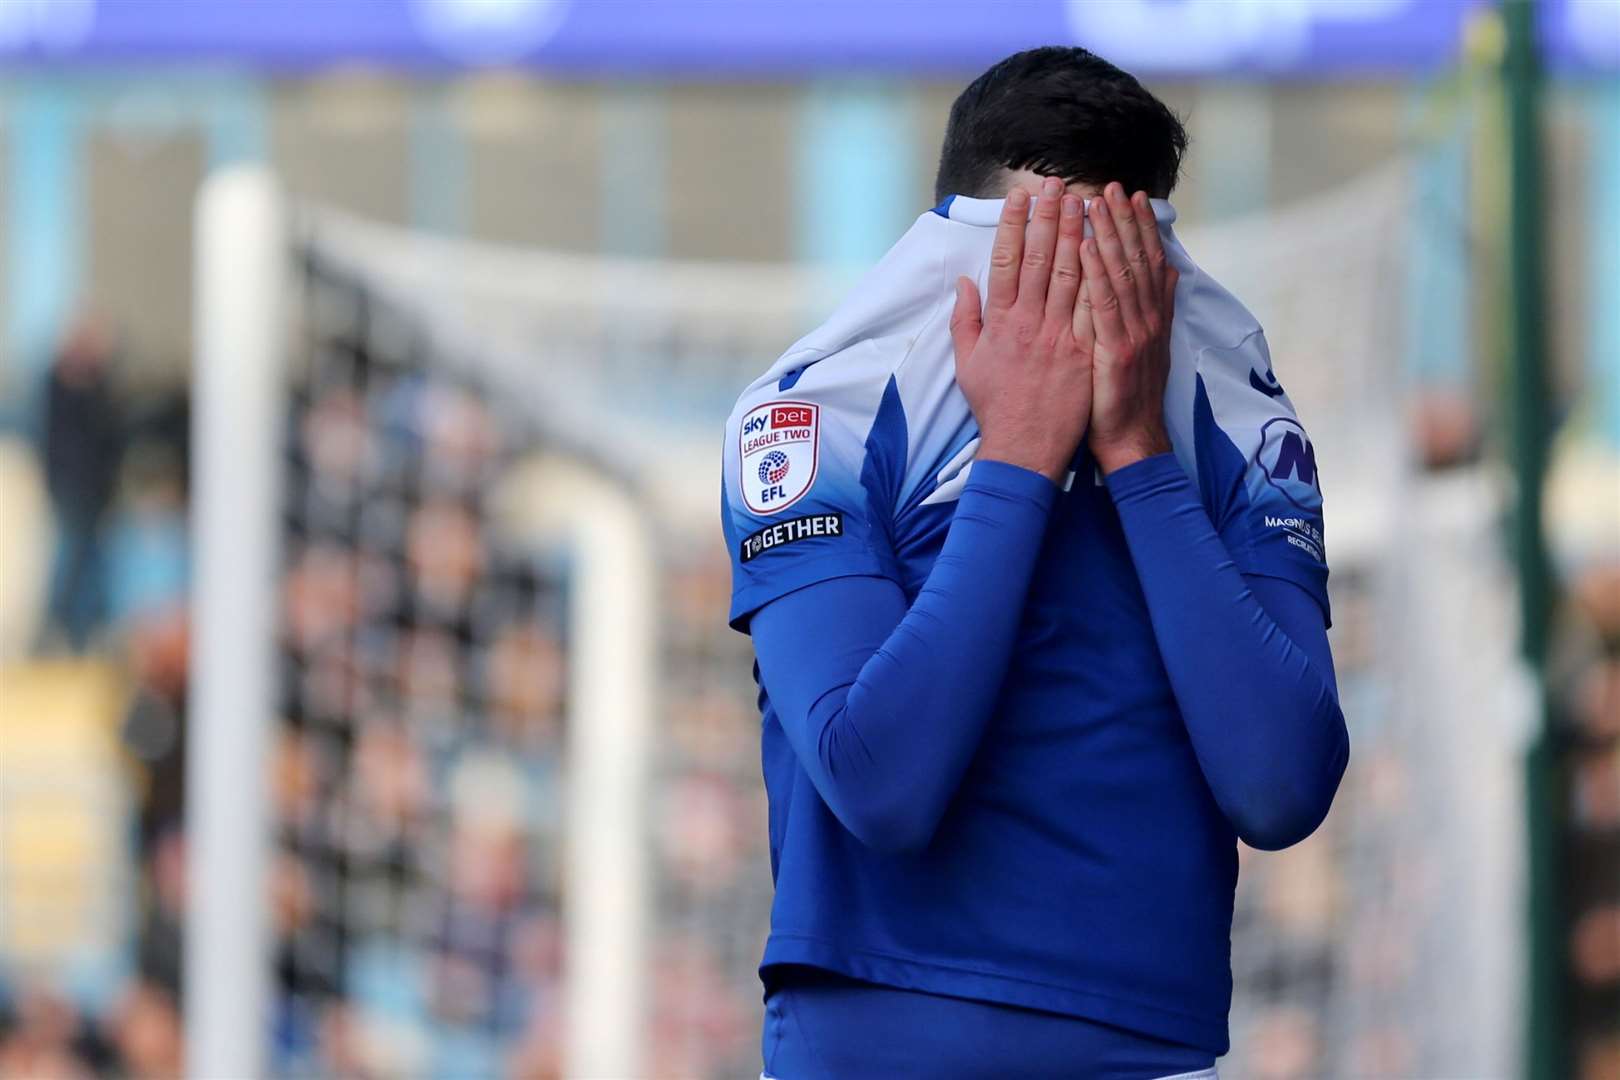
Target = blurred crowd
(421,771)
(418,769)
(1586,711)
(417,776)
(114,464)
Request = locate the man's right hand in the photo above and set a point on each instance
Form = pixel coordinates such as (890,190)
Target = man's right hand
(1024,373)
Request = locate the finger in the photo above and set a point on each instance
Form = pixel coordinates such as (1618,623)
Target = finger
(1065,264)
(966,322)
(1107,320)
(1130,241)
(1149,224)
(1039,241)
(1115,266)
(1160,359)
(1008,251)
(1085,333)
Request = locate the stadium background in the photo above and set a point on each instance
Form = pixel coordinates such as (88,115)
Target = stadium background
(530,252)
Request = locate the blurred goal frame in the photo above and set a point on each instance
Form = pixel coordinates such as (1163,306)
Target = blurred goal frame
(244,229)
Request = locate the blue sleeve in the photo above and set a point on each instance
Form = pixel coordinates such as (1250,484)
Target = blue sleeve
(1257,473)
(884,705)
(1254,680)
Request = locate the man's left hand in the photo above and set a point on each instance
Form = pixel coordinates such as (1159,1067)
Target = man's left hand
(1127,298)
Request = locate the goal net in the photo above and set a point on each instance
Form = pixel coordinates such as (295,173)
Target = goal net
(513,822)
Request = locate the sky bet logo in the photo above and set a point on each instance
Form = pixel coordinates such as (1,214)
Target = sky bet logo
(1289,461)
(779,444)
(782,416)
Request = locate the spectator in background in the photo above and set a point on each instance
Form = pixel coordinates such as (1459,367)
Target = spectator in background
(154,729)
(146,1026)
(146,545)
(82,444)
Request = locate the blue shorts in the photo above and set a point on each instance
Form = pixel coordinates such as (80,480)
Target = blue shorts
(820,1025)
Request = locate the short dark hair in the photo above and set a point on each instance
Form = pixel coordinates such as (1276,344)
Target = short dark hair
(1059,111)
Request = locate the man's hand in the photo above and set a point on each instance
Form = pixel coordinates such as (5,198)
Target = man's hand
(1021,366)
(1128,300)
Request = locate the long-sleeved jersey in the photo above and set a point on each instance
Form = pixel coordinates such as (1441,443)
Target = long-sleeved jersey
(1029,791)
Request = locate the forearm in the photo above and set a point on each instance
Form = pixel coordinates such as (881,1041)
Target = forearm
(885,704)
(1263,717)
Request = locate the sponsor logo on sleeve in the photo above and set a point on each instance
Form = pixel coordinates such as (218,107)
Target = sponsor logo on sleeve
(1302,533)
(1267,384)
(780,443)
(1288,461)
(789,532)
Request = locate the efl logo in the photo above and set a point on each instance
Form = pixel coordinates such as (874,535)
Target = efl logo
(779,444)
(774,468)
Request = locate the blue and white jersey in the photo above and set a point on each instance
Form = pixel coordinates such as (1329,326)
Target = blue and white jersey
(1083,866)
(846,455)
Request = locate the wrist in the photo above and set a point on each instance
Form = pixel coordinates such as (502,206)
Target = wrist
(1047,461)
(1111,456)
(1147,479)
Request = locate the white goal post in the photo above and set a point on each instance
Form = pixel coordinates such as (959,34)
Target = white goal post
(241,267)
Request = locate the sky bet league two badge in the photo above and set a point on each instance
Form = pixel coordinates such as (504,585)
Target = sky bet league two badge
(780,443)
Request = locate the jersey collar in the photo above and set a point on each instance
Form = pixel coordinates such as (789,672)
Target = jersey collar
(970,211)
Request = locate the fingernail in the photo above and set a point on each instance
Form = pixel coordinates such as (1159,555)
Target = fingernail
(1071,206)
(1116,193)
(1050,187)
(1018,197)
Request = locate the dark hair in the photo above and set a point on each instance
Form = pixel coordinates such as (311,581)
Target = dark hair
(1062,112)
